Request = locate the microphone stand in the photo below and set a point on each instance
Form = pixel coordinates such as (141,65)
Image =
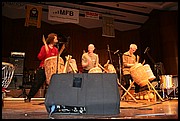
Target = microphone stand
(60,51)
(152,60)
(57,59)
(109,54)
(119,67)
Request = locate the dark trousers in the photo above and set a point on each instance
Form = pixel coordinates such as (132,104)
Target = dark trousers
(85,71)
(126,83)
(38,82)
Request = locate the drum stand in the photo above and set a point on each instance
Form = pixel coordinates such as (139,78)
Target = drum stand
(173,88)
(119,83)
(127,91)
(148,84)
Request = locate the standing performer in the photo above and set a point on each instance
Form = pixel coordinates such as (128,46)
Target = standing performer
(89,59)
(47,50)
(129,60)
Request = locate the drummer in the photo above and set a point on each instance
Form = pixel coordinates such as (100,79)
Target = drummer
(129,59)
(47,50)
(89,59)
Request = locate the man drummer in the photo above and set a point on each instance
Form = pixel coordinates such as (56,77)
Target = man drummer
(47,50)
(89,59)
(129,60)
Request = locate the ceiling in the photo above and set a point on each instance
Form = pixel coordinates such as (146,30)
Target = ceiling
(127,15)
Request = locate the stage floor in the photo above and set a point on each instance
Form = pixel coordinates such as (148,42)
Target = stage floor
(16,108)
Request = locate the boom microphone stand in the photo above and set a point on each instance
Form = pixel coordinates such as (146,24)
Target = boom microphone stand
(59,53)
(61,50)
(57,59)
(119,61)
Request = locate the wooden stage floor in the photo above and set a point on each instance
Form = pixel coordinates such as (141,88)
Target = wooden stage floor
(16,108)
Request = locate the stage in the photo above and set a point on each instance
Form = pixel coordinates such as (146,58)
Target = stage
(100,94)
(16,108)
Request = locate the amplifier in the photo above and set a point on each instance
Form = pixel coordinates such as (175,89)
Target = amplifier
(18,63)
(17,54)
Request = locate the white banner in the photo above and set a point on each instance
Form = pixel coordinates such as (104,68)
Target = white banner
(92,15)
(61,14)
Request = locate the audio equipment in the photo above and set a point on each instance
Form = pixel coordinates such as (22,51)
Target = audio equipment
(98,93)
(18,63)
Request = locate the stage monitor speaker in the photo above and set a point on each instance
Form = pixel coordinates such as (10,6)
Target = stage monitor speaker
(18,63)
(97,92)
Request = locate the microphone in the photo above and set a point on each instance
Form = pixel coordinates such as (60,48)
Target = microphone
(146,50)
(60,42)
(116,51)
(108,48)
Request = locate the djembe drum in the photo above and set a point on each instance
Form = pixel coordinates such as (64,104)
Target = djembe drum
(149,72)
(139,74)
(110,68)
(50,66)
(95,70)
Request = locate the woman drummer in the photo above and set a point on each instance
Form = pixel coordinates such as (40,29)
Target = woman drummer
(47,50)
(89,59)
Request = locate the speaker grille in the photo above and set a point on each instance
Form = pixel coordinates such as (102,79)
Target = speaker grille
(18,64)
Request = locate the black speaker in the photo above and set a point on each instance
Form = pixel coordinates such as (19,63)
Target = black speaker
(16,82)
(18,63)
(97,92)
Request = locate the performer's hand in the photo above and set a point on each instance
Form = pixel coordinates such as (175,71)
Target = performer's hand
(88,59)
(130,65)
(46,46)
(137,60)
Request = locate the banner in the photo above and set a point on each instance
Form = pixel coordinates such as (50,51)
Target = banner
(33,15)
(92,15)
(61,14)
(108,26)
(16,5)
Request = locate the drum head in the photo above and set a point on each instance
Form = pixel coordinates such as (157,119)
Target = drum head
(95,70)
(111,69)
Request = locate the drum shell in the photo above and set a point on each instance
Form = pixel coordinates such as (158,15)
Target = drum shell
(139,74)
(50,67)
(74,66)
(95,70)
(166,81)
(149,72)
(110,68)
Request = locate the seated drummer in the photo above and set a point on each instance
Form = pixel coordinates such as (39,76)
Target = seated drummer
(89,59)
(129,59)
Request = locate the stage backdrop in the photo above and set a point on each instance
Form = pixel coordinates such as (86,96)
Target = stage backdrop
(97,92)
